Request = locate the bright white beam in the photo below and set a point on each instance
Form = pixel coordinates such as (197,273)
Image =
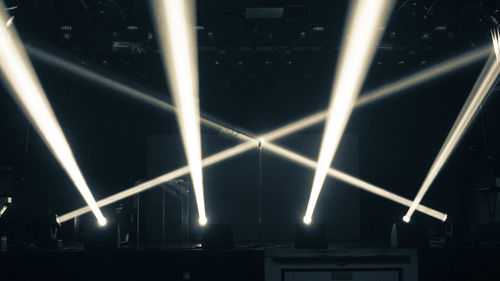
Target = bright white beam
(2,211)
(28,93)
(481,88)
(311,120)
(495,37)
(369,97)
(365,26)
(10,21)
(306,162)
(306,122)
(427,74)
(174,21)
(266,140)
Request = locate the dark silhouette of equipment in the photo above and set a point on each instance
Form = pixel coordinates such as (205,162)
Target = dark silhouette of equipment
(311,236)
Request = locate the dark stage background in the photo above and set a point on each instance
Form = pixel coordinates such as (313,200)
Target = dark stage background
(281,78)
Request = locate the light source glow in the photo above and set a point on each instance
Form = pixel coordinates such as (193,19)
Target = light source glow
(174,21)
(303,123)
(10,21)
(365,25)
(213,159)
(306,122)
(495,37)
(103,222)
(203,221)
(244,147)
(307,220)
(28,93)
(2,211)
(481,88)
(306,162)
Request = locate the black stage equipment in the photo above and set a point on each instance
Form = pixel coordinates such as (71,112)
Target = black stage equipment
(311,236)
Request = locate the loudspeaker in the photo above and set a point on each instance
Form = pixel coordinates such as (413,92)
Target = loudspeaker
(311,236)
(408,235)
(218,236)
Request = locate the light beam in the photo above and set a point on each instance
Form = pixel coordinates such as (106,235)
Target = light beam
(132,92)
(393,88)
(174,22)
(306,162)
(387,90)
(26,90)
(365,26)
(244,147)
(427,74)
(481,88)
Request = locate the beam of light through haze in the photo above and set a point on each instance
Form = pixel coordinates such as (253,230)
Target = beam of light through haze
(365,25)
(175,21)
(246,146)
(480,90)
(385,91)
(311,120)
(28,93)
(372,96)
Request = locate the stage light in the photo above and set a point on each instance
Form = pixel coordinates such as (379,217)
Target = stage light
(250,143)
(481,88)
(213,159)
(2,211)
(365,26)
(10,21)
(29,95)
(427,74)
(203,221)
(103,222)
(380,93)
(244,147)
(307,220)
(306,162)
(495,36)
(306,122)
(174,21)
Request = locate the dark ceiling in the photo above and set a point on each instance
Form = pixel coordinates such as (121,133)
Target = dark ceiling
(274,63)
